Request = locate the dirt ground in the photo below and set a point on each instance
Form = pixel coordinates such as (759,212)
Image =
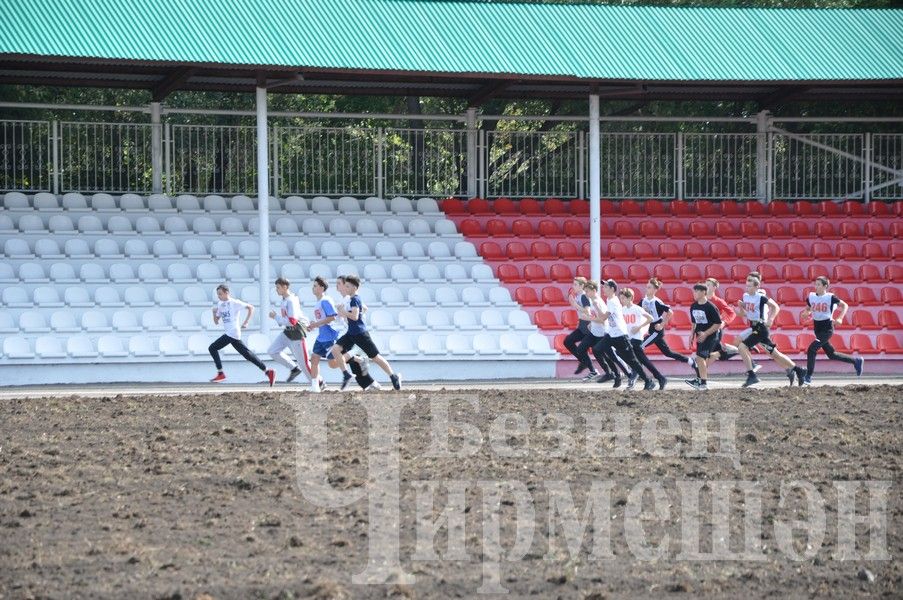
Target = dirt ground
(198,496)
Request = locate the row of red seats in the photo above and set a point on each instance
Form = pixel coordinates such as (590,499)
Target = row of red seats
(683,296)
(492,251)
(547,228)
(677,208)
(886,343)
(792,273)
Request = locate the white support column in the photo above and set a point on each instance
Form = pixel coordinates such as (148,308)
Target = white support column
(762,169)
(680,178)
(156,148)
(595,184)
(471,123)
(867,169)
(55,156)
(263,208)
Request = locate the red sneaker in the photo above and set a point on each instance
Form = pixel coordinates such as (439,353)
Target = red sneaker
(219,377)
(271,376)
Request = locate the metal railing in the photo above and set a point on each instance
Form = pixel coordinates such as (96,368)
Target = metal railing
(886,161)
(212,159)
(720,165)
(536,164)
(26,149)
(818,166)
(423,162)
(105,157)
(639,165)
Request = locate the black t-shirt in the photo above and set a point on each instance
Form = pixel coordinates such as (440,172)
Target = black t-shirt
(704,315)
(583,325)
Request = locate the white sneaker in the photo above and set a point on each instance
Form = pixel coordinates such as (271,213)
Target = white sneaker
(315,387)
(374,387)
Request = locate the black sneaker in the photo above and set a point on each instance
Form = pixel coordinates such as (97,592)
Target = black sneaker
(800,375)
(631,380)
(605,378)
(649,385)
(727,355)
(858,365)
(617,383)
(292,374)
(696,384)
(581,368)
(346,377)
(662,382)
(791,375)
(590,376)
(396,380)
(751,379)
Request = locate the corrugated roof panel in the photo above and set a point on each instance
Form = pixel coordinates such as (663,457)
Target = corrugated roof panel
(583,41)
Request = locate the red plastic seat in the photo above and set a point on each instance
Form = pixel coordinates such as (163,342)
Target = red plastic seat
(510,274)
(768,273)
(856,209)
(822,251)
(876,231)
(862,343)
(583,271)
(888,344)
(817,270)
(542,251)
(559,344)
(850,230)
(638,274)
(618,251)
(669,251)
(677,343)
(453,206)
(846,251)
(548,229)
(785,320)
(517,251)
(681,208)
(716,250)
(795,251)
(750,230)
(471,228)
(530,207)
(780,209)
(892,273)
(730,208)
(716,271)
(535,273)
(632,208)
(863,296)
(776,229)
(657,208)
(522,228)
(480,206)
(746,251)
(725,230)
(609,208)
(862,319)
(683,296)
(794,274)
(569,319)
(586,250)
(676,229)
(643,251)
(756,210)
(625,229)
(896,229)
(665,274)
(526,296)
(561,273)
(880,209)
(506,207)
(574,228)
(871,274)
(680,320)
(579,208)
(650,229)
(702,230)
(825,231)
(896,248)
(612,271)
(690,274)
(567,251)
(784,343)
(888,319)
(873,251)
(497,227)
(545,319)
(707,208)
(557,208)
(553,296)
(800,229)
(491,251)
(806,209)
(830,208)
(788,296)
(844,274)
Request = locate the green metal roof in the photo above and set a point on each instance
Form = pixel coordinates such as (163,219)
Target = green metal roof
(581,41)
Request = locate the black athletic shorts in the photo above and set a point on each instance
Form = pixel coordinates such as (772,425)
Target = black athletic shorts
(361,340)
(710,344)
(760,335)
(824,330)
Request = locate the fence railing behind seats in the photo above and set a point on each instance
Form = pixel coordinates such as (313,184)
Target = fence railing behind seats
(539,164)
(105,157)
(25,155)
(886,160)
(639,165)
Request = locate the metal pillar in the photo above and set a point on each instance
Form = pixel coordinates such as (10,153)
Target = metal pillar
(867,169)
(762,169)
(595,184)
(471,124)
(55,156)
(263,208)
(156,148)
(680,177)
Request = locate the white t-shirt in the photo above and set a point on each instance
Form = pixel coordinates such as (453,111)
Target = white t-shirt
(633,316)
(595,308)
(615,325)
(229,312)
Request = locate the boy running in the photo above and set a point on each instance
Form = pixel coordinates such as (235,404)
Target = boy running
(293,335)
(706,325)
(821,306)
(327,332)
(638,321)
(723,350)
(661,315)
(579,302)
(227,311)
(615,338)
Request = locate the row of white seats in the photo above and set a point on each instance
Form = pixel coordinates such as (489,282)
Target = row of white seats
(163,295)
(107,248)
(124,321)
(238,272)
(400,345)
(59,224)
(103,202)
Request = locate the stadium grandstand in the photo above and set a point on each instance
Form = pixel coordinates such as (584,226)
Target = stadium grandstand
(114,236)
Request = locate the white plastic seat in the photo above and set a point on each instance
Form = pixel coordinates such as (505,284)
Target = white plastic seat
(142,345)
(77,297)
(166,249)
(447,297)
(368,296)
(196,296)
(313,226)
(401,345)
(153,320)
(428,206)
(75,202)
(175,225)
(413,251)
(459,345)
(107,248)
(420,297)
(137,296)
(60,224)
(409,320)
(31,224)
(61,272)
(296,204)
(473,296)
(382,320)
(232,226)
(192,248)
(95,321)
(47,297)
(286,226)
(431,344)
(493,320)
(386,251)
(520,320)
(125,321)
(147,225)
(466,251)
(345,269)
(293,272)
(438,320)
(429,273)
(179,273)
(209,272)
(6,224)
(107,297)
(375,206)
(17,248)
(485,343)
(340,226)
(481,273)
(45,201)
(198,344)
(204,226)
(131,202)
(32,272)
(33,321)
(499,296)
(183,320)
(375,273)
(249,249)
(167,296)
(319,270)
(118,225)
(111,346)
(7,324)
(16,201)
(419,228)
(238,273)
(158,203)
(359,250)
(456,273)
(323,205)
(222,250)
(243,204)
(17,347)
(332,250)
(151,273)
(93,273)
(49,346)
(511,343)
(350,206)
(63,321)
(402,206)
(16,297)
(305,250)
(279,250)
(136,249)
(255,272)
(465,320)
(402,273)
(258,343)
(366,226)
(392,296)
(80,346)
(215,204)
(188,204)
(103,203)
(439,251)
(444,227)
(537,343)
(8,275)
(250,294)
(394,228)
